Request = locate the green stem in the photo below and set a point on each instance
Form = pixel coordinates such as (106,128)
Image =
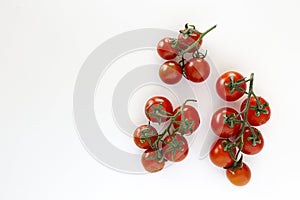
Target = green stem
(182,65)
(245,111)
(245,120)
(197,41)
(168,115)
(241,145)
(257,101)
(173,118)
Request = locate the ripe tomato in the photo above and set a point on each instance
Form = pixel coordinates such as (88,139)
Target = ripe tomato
(165,49)
(223,122)
(257,115)
(158,108)
(151,161)
(170,72)
(141,134)
(252,145)
(219,156)
(186,39)
(239,177)
(230,85)
(197,70)
(190,121)
(175,147)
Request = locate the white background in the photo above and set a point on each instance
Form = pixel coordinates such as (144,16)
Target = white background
(42,47)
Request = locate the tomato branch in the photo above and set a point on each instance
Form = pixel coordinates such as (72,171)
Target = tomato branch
(239,140)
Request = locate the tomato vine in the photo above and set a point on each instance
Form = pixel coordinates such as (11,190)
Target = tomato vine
(173,120)
(230,120)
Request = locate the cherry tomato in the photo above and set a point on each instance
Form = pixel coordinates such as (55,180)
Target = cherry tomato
(165,49)
(158,108)
(185,40)
(175,147)
(223,127)
(230,86)
(252,145)
(239,177)
(170,72)
(197,70)
(150,161)
(141,134)
(219,156)
(190,121)
(257,115)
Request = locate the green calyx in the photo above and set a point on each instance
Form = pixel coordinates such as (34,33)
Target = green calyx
(184,126)
(189,30)
(147,134)
(158,112)
(230,120)
(174,146)
(235,85)
(236,165)
(260,108)
(158,156)
(229,146)
(198,54)
(254,137)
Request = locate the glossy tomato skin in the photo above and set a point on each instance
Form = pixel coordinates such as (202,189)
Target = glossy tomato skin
(252,118)
(248,148)
(189,113)
(240,177)
(155,102)
(138,133)
(197,70)
(179,154)
(165,49)
(151,165)
(221,129)
(170,72)
(224,92)
(184,41)
(219,156)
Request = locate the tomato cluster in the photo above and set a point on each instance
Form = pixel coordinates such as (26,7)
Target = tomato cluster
(236,129)
(188,43)
(170,144)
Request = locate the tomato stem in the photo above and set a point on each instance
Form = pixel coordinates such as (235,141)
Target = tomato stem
(239,140)
(173,117)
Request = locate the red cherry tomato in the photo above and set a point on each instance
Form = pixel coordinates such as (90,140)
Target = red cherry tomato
(150,162)
(226,82)
(175,147)
(170,72)
(158,108)
(239,177)
(190,121)
(252,144)
(219,156)
(165,49)
(141,134)
(197,70)
(257,115)
(185,40)
(219,125)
